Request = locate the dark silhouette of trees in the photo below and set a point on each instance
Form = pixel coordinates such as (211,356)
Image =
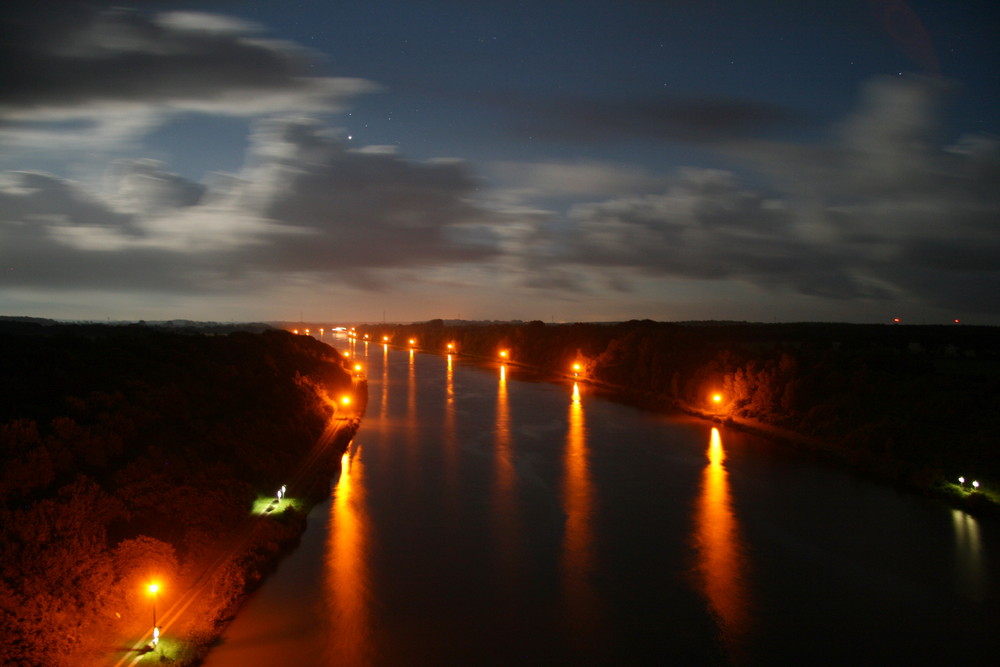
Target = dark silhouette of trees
(130,453)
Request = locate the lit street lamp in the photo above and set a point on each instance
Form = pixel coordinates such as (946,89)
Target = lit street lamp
(154,590)
(975,485)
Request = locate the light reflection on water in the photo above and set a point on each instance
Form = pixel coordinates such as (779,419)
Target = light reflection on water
(496,521)
(504,501)
(580,601)
(347,577)
(721,556)
(968,555)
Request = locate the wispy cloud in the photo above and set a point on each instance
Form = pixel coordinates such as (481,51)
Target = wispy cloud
(885,211)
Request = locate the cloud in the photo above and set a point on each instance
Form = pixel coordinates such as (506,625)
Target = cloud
(884,212)
(587,178)
(119,72)
(665,117)
(304,208)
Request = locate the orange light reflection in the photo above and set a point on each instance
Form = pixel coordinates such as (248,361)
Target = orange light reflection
(347,577)
(721,560)
(581,609)
(504,501)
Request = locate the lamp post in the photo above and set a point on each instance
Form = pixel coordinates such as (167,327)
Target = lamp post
(154,590)
(716,399)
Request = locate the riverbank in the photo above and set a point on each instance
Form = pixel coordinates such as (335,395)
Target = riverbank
(269,544)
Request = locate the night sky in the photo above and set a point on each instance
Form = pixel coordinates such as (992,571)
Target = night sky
(561,161)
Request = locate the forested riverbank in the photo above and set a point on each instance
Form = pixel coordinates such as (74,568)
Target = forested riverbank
(914,405)
(131,454)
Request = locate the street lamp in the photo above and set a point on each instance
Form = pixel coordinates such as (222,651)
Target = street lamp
(717,398)
(503,354)
(154,590)
(975,485)
(576,370)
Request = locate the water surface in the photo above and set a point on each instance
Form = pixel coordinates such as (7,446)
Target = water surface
(483,517)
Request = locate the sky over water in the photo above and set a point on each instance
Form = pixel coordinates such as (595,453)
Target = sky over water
(532,160)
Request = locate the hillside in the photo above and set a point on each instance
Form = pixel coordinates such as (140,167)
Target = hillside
(132,453)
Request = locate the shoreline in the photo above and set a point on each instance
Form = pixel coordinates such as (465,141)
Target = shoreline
(895,473)
(198,646)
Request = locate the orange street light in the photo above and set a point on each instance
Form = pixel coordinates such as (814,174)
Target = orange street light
(154,590)
(413,341)
(503,354)
(451,347)
(345,400)
(576,369)
(717,399)
(357,367)
(385,339)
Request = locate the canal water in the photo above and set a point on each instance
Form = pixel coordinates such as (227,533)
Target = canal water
(485,517)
